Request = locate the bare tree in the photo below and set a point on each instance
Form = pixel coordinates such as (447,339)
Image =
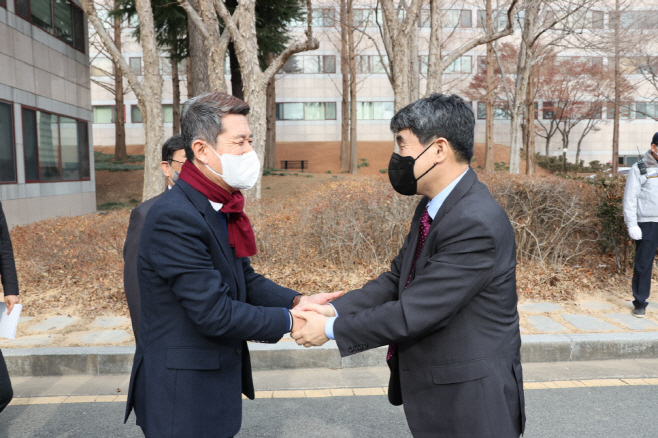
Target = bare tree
(216,41)
(242,28)
(490,90)
(148,91)
(345,75)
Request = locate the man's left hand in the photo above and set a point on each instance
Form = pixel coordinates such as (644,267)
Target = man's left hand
(312,333)
(321,299)
(11,301)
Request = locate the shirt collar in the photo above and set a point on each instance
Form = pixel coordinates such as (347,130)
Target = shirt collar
(435,204)
(216,205)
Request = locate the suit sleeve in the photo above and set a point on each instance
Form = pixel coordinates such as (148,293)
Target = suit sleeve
(262,291)
(130,249)
(7,264)
(458,270)
(178,252)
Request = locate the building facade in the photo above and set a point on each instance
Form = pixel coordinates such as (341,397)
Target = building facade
(46,149)
(308,89)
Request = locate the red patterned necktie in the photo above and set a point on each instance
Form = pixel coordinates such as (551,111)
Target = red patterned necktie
(425,222)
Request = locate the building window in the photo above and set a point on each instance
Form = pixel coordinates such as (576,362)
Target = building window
(167,114)
(460,65)
(7,156)
(135,114)
(498,19)
(323,17)
(635,20)
(56,147)
(374,110)
(310,64)
(306,111)
(367,64)
(366,17)
(105,114)
(61,18)
(624,111)
(102,67)
(457,18)
(136,65)
(501,112)
(3,3)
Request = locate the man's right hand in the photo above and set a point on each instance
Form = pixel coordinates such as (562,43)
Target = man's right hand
(325,310)
(635,233)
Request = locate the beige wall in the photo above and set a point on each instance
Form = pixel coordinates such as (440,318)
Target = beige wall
(40,71)
(376,87)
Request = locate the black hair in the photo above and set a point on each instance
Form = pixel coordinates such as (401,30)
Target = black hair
(172,145)
(439,115)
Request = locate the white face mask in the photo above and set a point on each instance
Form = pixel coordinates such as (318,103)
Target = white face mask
(240,171)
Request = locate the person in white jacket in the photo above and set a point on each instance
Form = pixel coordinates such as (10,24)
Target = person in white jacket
(641,218)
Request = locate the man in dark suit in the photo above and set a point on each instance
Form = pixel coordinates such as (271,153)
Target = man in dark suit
(173,157)
(10,288)
(200,298)
(447,308)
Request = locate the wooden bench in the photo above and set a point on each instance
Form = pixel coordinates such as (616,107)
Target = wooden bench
(294,164)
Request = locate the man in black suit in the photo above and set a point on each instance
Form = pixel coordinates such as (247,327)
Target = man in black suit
(201,299)
(10,288)
(447,308)
(173,157)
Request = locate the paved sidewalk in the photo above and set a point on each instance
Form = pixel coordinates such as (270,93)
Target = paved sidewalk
(551,332)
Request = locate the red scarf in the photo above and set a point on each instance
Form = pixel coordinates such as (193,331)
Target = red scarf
(240,234)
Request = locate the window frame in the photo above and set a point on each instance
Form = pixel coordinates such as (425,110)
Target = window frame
(304,119)
(3,4)
(51,31)
(114,114)
(78,120)
(13,134)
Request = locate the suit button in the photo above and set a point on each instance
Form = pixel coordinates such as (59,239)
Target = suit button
(238,351)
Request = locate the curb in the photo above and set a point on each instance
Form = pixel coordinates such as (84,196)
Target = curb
(288,355)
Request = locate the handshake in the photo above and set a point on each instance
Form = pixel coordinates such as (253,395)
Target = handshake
(310,318)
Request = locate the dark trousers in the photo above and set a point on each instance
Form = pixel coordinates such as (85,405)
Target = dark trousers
(645,252)
(6,393)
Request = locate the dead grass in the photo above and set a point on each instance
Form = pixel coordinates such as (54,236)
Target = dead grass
(74,266)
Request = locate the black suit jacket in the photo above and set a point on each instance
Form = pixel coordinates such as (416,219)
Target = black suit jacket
(456,324)
(130,248)
(199,305)
(7,264)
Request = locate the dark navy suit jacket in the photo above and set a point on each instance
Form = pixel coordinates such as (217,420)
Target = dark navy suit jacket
(458,369)
(199,304)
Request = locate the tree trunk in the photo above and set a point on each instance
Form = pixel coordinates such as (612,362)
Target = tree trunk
(490,100)
(236,78)
(151,103)
(414,67)
(120,153)
(175,86)
(270,138)
(354,168)
(345,73)
(148,91)
(198,59)
(530,129)
(615,130)
(189,77)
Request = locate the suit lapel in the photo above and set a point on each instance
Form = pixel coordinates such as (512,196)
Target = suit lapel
(408,258)
(203,205)
(455,196)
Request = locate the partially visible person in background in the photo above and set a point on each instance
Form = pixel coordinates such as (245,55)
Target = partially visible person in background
(173,157)
(641,217)
(10,289)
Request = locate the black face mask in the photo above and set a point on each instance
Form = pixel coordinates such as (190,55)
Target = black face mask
(401,173)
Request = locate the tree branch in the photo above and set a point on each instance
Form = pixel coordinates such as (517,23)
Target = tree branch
(108,42)
(195,17)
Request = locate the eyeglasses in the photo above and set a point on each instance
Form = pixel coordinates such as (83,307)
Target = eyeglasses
(179,162)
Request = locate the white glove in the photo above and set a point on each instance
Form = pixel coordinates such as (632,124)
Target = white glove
(635,233)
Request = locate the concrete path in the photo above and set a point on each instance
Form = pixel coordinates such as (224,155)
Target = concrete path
(551,332)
